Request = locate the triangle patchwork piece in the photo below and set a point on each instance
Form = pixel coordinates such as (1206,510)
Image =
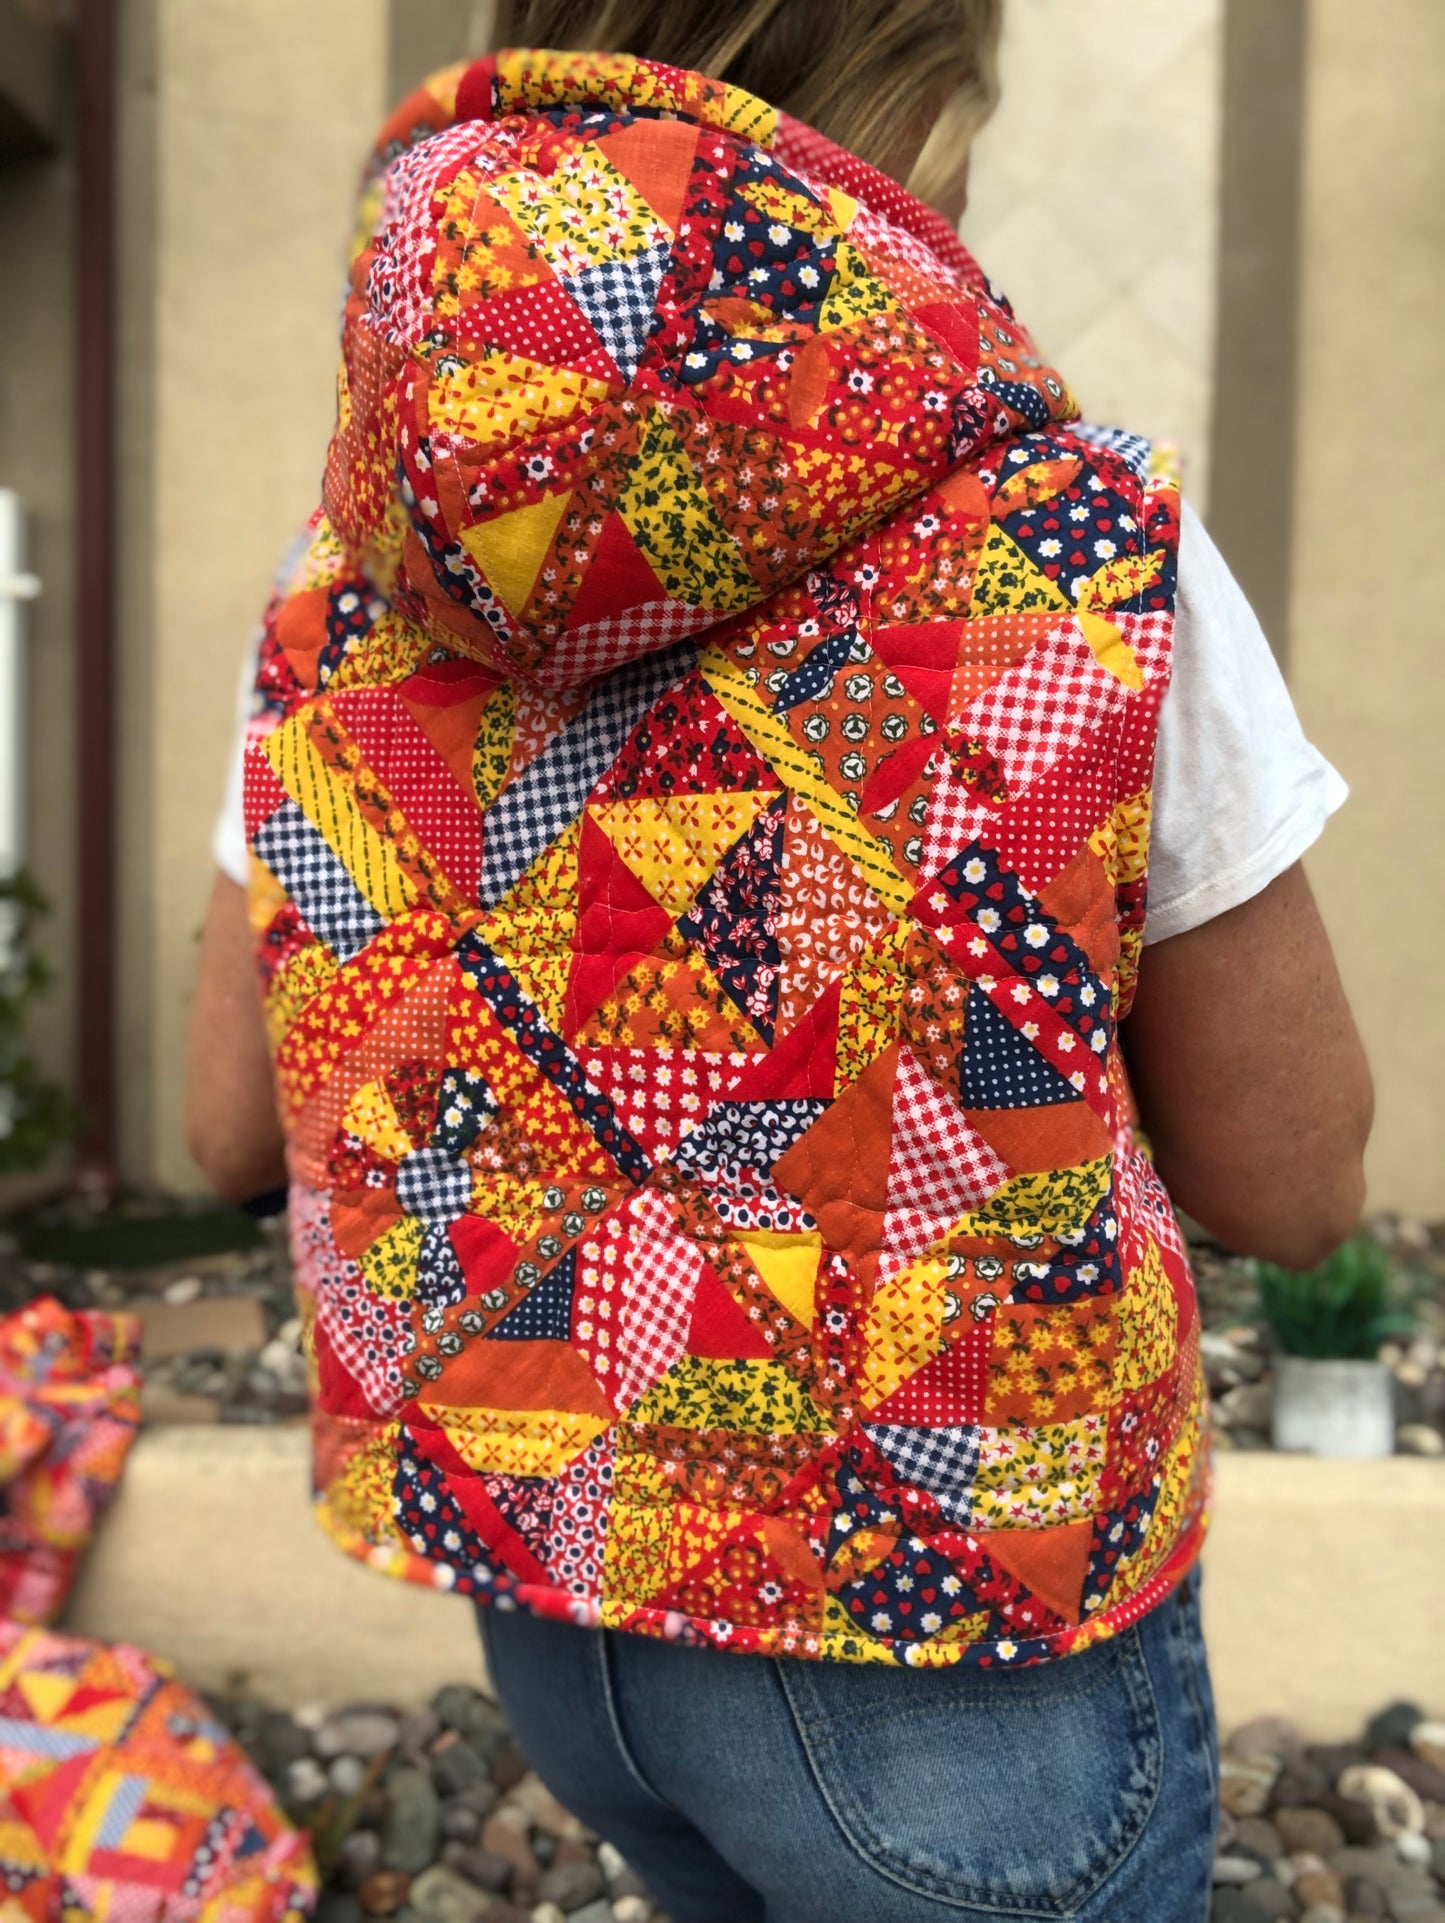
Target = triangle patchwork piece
(674,845)
(618,297)
(735,919)
(545,1314)
(1001,1068)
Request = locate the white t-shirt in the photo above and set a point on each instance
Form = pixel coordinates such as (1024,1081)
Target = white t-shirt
(1239,794)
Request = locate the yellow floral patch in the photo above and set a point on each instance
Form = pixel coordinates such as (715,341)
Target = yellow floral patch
(1028,1477)
(583,214)
(500,398)
(1056,1201)
(754,1398)
(358,1500)
(870,995)
(389,1265)
(904,1329)
(1148,1319)
(1122,842)
(515,1442)
(513,1204)
(856,293)
(667,511)
(371,1116)
(294,986)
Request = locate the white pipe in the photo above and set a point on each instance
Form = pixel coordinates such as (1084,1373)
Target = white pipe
(17,586)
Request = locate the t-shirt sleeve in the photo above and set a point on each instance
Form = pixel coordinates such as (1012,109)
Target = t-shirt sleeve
(1239,793)
(228,837)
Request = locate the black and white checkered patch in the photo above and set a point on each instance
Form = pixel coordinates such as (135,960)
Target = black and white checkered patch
(942,1461)
(619,298)
(534,809)
(313,874)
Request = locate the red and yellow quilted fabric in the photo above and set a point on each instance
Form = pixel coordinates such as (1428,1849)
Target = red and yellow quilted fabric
(121,1798)
(69,1412)
(699,804)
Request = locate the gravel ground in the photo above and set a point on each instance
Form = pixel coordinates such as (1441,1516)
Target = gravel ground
(431,1816)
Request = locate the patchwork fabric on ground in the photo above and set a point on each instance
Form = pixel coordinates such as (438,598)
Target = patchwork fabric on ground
(69,1412)
(699,807)
(121,1797)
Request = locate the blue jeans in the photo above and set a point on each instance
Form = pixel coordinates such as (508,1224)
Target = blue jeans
(749,1790)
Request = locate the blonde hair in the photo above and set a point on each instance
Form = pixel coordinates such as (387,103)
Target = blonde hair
(857,70)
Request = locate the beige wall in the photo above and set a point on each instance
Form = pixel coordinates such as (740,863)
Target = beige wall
(1367,641)
(244,125)
(1092,199)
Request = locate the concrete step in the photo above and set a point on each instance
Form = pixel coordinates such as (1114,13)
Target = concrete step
(1324,1588)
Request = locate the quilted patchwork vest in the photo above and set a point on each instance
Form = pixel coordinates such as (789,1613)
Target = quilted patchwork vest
(699,801)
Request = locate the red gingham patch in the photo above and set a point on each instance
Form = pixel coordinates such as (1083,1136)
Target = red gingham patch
(1044,707)
(940,1166)
(664,1267)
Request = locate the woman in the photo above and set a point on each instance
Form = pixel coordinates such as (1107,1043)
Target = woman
(697,818)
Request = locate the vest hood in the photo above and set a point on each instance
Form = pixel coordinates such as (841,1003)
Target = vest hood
(626,352)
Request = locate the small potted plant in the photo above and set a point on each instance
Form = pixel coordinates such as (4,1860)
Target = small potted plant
(1332,1396)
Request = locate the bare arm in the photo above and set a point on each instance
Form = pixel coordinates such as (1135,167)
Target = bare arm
(1251,1078)
(231,1124)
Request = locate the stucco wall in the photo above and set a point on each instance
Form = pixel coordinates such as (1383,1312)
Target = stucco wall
(1092,202)
(258,113)
(1366,659)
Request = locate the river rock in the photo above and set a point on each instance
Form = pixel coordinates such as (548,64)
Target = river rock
(1366,1898)
(1233,1871)
(482,1867)
(460,1824)
(1323,1913)
(1320,1886)
(505,1834)
(384,1892)
(481,1797)
(548,1913)
(1314,1830)
(439,1895)
(1257,1836)
(1419,1439)
(347,1774)
(473,1716)
(570,1885)
(1265,1736)
(1393,1724)
(1425,1778)
(533,1796)
(1415,1849)
(1396,1808)
(1245,1783)
(631,1909)
(357,1732)
(413,1821)
(1427,1740)
(598,1912)
(1382,1866)
(1299,1782)
(358,1855)
(1228,1906)
(454,1763)
(305,1780)
(337,1906)
(1268,1898)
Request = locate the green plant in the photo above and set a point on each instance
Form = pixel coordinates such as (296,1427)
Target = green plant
(36,1116)
(1343,1309)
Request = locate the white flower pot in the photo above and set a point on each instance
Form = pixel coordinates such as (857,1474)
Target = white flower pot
(1334,1408)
